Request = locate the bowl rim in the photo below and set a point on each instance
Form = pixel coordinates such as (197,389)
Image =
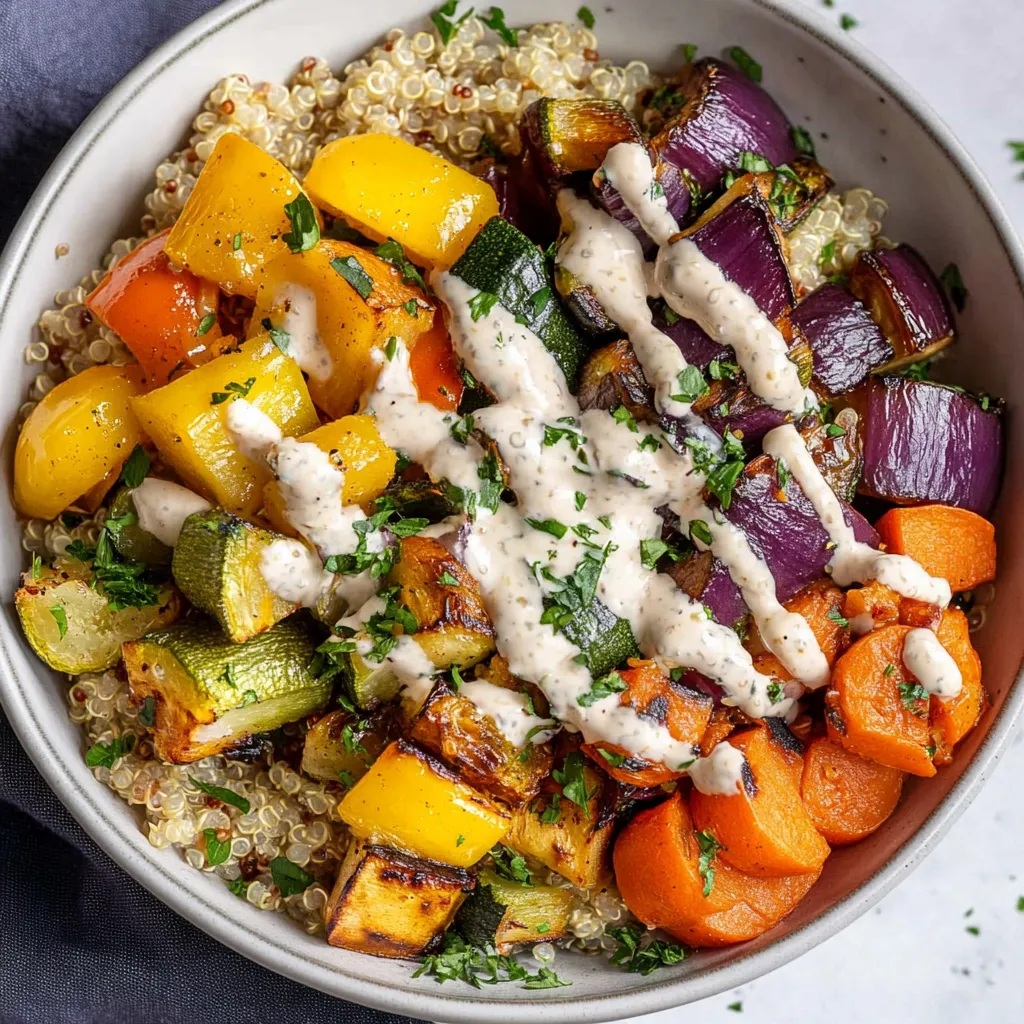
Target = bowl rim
(147,869)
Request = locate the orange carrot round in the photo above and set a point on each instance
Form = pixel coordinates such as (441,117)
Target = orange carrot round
(763,828)
(874,601)
(434,368)
(951,720)
(846,796)
(657,862)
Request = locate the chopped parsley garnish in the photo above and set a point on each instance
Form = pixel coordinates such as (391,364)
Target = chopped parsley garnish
(457,680)
(624,417)
(346,778)
(239,887)
(411,308)
(393,253)
(803,141)
(574,593)
(746,63)
(390,348)
(910,695)
(709,847)
(775,692)
(249,697)
(953,282)
(888,670)
(648,443)
(512,866)
(136,468)
(605,521)
(615,760)
(350,734)
(463,427)
(918,371)
(60,616)
(581,500)
(836,616)
(689,52)
(719,370)
(378,563)
(446,29)
(847,21)
(552,526)
(225,796)
(282,339)
(289,877)
(972,929)
(459,961)
(105,754)
(496,20)
(236,242)
(122,579)
(232,388)
(206,324)
(217,850)
(352,270)
(481,304)
(736,1007)
(565,429)
(305,232)
(691,385)
(331,659)
(147,713)
(573,782)
(552,812)
(603,686)
(834,430)
(492,483)
(642,959)
(586,15)
(540,299)
(699,530)
(652,549)
(722,479)
(446,579)
(384,628)
(782,474)
(37,562)
(827,254)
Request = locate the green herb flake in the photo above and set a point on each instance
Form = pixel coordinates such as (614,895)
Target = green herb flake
(545,978)
(217,850)
(289,877)
(847,21)
(889,669)
(305,232)
(37,564)
(511,866)
(446,579)
(827,254)
(225,796)
(689,52)
(700,531)
(232,389)
(496,20)
(834,430)
(239,887)
(105,754)
(586,15)
(147,713)
(836,616)
(746,63)
(709,847)
(446,29)
(803,141)
(390,348)
(205,324)
(352,270)
(282,339)
(136,468)
(393,253)
(615,760)
(60,616)
(691,385)
(603,686)
(735,1007)
(581,500)
(652,549)
(624,417)
(481,304)
(775,692)
(972,929)
(633,955)
(721,480)
(236,242)
(719,370)
(953,282)
(573,782)
(648,443)
(552,526)
(911,694)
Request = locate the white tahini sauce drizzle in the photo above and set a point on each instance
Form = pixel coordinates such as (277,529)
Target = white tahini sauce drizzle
(720,773)
(628,168)
(298,306)
(931,664)
(162,508)
(852,560)
(861,624)
(294,573)
(252,430)
(508,710)
(414,670)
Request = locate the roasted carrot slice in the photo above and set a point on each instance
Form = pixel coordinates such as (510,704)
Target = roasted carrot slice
(870,606)
(870,706)
(683,711)
(919,614)
(846,796)
(434,369)
(657,869)
(950,542)
(166,317)
(764,828)
(951,720)
(821,605)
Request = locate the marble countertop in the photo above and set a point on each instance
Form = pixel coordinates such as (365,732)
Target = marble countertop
(912,959)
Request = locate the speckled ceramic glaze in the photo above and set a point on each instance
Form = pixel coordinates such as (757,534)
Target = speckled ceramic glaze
(878,134)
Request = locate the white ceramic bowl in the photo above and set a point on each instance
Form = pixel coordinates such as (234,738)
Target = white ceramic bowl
(879,135)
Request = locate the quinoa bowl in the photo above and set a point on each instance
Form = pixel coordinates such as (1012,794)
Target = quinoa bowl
(404,86)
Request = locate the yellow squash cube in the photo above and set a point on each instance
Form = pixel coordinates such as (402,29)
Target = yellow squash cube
(241,193)
(303,293)
(192,434)
(389,188)
(368,462)
(410,800)
(76,440)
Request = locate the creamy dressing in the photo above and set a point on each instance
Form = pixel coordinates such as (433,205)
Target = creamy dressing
(508,709)
(252,430)
(720,773)
(294,573)
(414,670)
(931,664)
(162,507)
(295,313)
(852,561)
(861,624)
(628,168)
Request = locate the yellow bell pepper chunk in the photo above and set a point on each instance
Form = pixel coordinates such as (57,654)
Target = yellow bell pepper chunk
(191,430)
(76,438)
(369,465)
(240,194)
(409,800)
(323,312)
(389,188)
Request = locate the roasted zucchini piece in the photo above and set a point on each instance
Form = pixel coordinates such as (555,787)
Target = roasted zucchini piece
(415,499)
(411,800)
(131,540)
(505,914)
(340,747)
(71,625)
(452,727)
(577,844)
(209,692)
(454,628)
(389,903)
(604,639)
(217,567)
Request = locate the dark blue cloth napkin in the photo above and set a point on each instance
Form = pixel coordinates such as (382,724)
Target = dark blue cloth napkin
(80,941)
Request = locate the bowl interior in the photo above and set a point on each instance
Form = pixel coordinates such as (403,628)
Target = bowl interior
(871,137)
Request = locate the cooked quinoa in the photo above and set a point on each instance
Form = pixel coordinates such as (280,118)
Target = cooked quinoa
(463,100)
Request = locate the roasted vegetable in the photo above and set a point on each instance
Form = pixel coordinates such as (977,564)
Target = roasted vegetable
(846,342)
(603,638)
(189,425)
(389,903)
(951,720)
(452,727)
(928,442)
(691,339)
(792,191)
(723,114)
(730,405)
(504,914)
(671,878)
(435,368)
(504,262)
(351,311)
(906,300)
(209,693)
(453,625)
(130,539)
(410,800)
(341,746)
(582,303)
(239,197)
(70,623)
(837,448)
(163,315)
(76,440)
(217,567)
(421,499)
(389,188)
(612,376)
(368,464)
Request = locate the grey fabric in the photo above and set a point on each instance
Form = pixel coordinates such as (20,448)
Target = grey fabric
(80,941)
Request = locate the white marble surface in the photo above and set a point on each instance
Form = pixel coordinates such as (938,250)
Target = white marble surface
(912,959)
